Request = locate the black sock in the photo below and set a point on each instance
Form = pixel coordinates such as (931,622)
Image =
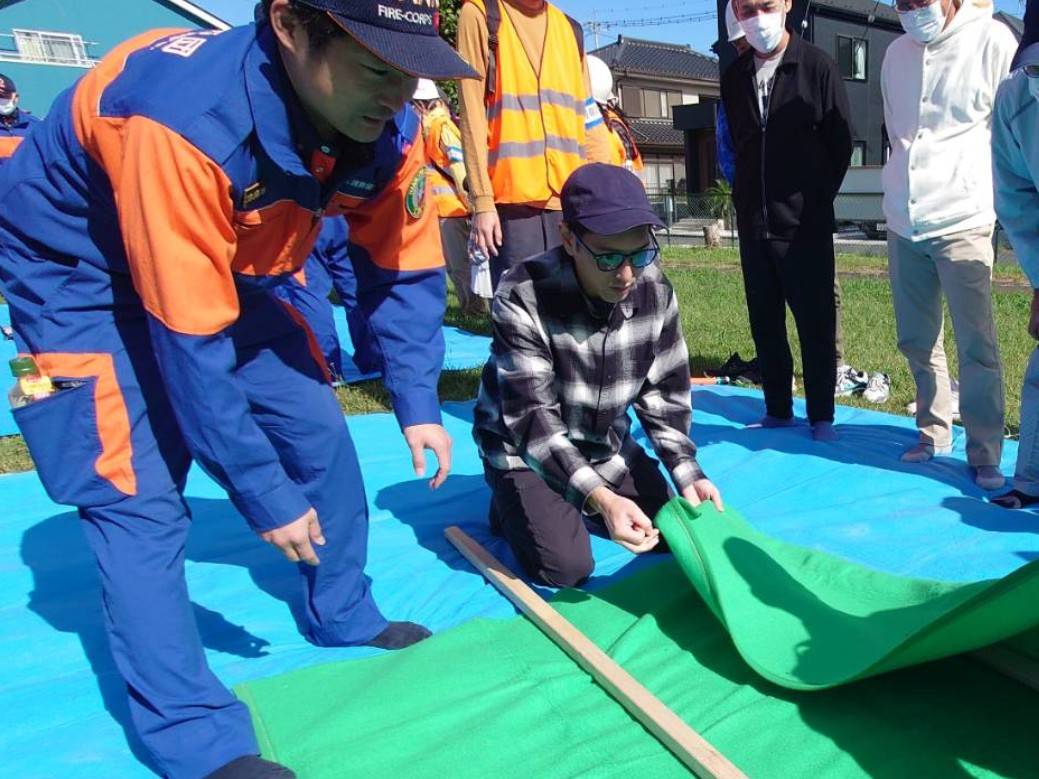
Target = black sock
(398,635)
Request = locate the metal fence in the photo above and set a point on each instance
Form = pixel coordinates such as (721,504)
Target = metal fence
(697,219)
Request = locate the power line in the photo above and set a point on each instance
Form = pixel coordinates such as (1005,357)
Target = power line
(651,21)
(653,7)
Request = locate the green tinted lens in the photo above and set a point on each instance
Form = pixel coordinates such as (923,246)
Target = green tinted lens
(1032,71)
(610,262)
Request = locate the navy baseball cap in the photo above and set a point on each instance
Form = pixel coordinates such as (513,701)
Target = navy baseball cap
(7,87)
(606,199)
(402,33)
(1028,51)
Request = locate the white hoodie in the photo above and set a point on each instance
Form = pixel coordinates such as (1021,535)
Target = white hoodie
(938,101)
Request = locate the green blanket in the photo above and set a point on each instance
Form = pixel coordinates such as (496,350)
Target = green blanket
(498,699)
(806,619)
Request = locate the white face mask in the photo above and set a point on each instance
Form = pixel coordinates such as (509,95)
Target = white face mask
(765,31)
(7,107)
(925,23)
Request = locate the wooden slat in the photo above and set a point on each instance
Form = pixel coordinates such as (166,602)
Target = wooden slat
(686,744)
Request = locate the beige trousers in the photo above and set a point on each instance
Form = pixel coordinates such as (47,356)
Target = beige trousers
(960,265)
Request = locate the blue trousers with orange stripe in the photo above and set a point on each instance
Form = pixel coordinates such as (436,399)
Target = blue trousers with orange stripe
(190,722)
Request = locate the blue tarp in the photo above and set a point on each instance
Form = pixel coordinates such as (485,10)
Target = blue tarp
(462,349)
(64,712)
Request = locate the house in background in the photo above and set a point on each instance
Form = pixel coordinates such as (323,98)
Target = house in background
(856,33)
(46,45)
(652,79)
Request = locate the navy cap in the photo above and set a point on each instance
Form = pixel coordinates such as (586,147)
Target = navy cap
(402,33)
(1028,51)
(7,87)
(606,199)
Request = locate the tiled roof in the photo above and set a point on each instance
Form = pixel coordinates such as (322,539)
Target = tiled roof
(656,132)
(658,59)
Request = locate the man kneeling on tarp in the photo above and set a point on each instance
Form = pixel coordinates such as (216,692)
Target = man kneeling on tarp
(582,333)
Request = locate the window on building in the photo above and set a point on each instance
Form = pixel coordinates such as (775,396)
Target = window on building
(653,103)
(858,154)
(58,48)
(853,58)
(673,99)
(631,101)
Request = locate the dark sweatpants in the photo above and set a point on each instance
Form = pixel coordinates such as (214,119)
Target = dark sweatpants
(526,232)
(550,536)
(799,273)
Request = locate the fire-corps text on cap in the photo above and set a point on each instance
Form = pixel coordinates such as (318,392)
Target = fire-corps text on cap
(414,17)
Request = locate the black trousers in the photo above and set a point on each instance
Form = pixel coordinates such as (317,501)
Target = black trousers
(800,274)
(550,536)
(526,232)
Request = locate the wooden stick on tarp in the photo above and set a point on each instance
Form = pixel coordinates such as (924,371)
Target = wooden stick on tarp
(684,742)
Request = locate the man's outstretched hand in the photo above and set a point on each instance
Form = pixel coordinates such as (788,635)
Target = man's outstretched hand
(433,437)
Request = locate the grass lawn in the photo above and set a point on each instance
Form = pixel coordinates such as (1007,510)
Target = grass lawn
(714,319)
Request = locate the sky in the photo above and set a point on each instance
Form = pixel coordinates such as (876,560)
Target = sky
(698,34)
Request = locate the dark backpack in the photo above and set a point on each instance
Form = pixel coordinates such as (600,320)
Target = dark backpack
(493,23)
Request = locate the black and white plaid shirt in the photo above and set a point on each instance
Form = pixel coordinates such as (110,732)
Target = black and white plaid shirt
(564,370)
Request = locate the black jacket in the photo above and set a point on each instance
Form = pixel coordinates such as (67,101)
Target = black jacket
(788,168)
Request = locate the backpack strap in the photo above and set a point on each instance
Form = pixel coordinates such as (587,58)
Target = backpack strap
(493,12)
(578,33)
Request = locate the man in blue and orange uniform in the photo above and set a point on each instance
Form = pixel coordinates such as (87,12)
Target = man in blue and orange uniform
(141,227)
(14,122)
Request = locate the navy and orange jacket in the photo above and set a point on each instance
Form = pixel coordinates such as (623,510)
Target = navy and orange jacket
(183,163)
(13,130)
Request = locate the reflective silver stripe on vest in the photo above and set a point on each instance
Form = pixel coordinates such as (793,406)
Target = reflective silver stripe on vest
(533,103)
(513,103)
(563,99)
(512,150)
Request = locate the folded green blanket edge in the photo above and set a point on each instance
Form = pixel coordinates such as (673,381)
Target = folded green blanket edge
(697,538)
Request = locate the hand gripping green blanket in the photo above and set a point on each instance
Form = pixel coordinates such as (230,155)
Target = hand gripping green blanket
(496,698)
(806,619)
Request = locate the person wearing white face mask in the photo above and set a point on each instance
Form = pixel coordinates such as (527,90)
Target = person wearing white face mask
(14,122)
(1015,156)
(939,82)
(789,122)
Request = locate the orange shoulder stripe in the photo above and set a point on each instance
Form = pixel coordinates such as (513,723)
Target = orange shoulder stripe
(8,144)
(176,216)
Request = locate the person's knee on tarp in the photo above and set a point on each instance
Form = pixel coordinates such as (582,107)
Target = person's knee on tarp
(582,334)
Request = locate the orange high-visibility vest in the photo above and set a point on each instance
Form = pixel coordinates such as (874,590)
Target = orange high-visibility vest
(535,125)
(441,185)
(623,149)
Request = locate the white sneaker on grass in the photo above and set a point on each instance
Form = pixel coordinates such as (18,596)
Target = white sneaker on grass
(878,389)
(849,381)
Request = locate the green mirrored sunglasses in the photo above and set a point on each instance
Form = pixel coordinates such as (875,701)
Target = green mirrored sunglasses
(608,262)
